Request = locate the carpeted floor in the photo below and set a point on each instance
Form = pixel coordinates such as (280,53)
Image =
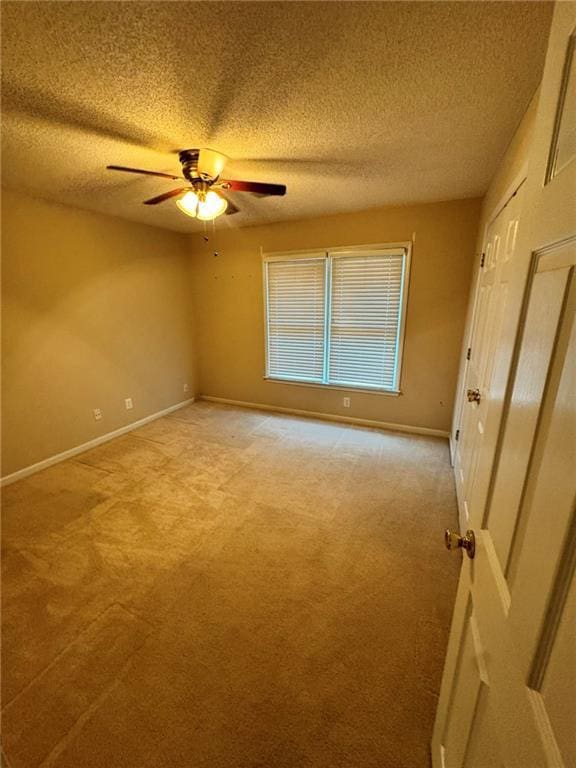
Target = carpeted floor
(226,588)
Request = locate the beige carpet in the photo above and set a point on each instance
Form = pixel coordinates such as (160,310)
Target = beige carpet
(225,588)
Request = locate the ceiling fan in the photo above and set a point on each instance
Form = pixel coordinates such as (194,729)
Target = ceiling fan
(204,197)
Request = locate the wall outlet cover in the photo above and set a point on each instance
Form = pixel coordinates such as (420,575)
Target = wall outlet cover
(346,402)
(128,403)
(185,387)
(97,414)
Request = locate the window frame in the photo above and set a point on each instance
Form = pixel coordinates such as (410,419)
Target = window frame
(380,249)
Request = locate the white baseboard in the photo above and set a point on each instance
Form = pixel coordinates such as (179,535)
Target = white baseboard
(388,425)
(30,470)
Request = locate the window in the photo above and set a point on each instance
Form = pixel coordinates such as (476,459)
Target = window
(337,317)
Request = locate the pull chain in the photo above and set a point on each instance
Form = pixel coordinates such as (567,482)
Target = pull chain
(214,236)
(207,239)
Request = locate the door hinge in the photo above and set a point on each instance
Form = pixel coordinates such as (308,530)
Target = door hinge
(468,353)
(457,435)
(482,258)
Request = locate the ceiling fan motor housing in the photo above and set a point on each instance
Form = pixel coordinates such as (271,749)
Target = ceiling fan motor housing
(189,160)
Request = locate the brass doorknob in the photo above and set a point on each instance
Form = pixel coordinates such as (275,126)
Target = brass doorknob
(454,541)
(473,395)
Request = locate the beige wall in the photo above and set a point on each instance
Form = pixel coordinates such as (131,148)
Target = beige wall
(95,309)
(514,161)
(228,306)
(513,167)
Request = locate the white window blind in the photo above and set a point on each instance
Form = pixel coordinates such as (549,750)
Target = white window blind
(336,318)
(296,318)
(366,300)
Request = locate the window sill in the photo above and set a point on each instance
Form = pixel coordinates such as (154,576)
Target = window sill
(340,387)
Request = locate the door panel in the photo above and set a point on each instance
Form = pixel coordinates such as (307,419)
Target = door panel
(547,297)
(559,682)
(544,552)
(483,749)
(464,702)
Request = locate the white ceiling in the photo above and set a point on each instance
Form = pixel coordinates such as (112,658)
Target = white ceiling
(351,104)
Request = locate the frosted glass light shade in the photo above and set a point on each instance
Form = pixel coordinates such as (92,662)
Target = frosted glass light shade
(188,204)
(211,207)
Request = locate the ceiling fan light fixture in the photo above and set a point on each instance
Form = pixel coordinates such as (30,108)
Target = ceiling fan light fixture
(202,206)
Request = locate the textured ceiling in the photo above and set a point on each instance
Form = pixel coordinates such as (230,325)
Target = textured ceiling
(351,104)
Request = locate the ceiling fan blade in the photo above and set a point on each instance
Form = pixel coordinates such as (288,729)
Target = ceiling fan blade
(231,207)
(210,164)
(165,196)
(139,170)
(258,187)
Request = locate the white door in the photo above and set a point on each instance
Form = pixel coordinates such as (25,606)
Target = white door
(508,695)
(496,268)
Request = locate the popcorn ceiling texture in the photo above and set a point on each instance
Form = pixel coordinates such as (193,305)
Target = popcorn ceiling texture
(352,105)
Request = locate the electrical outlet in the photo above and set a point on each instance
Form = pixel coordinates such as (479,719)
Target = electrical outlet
(185,387)
(346,402)
(128,403)
(97,414)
